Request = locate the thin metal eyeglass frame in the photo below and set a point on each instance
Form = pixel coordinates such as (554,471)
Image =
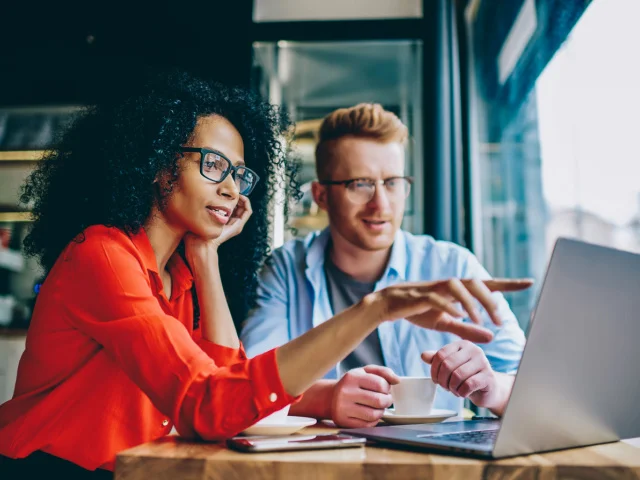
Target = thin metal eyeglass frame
(375,183)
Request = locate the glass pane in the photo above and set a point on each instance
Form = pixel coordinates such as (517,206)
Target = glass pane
(554,102)
(311,79)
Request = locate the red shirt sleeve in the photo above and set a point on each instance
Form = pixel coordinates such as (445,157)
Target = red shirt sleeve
(185,381)
(221,355)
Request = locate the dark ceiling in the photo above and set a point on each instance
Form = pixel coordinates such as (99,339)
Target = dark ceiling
(70,52)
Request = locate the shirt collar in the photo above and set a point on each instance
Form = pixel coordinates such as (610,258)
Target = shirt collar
(317,244)
(180,274)
(143,245)
(316,247)
(398,259)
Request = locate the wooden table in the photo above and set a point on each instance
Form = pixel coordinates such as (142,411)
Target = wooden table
(174,458)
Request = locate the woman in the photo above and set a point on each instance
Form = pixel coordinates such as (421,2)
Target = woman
(114,357)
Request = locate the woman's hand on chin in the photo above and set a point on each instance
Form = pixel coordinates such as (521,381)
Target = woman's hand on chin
(236,223)
(200,251)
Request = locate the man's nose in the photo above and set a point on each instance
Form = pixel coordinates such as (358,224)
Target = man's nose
(380,199)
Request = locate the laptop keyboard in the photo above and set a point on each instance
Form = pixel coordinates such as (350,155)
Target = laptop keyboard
(479,437)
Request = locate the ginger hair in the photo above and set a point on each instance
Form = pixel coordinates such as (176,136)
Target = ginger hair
(365,120)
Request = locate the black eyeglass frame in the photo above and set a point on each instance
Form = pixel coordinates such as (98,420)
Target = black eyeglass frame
(230,167)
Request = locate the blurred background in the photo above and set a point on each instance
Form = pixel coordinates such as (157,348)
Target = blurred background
(523,114)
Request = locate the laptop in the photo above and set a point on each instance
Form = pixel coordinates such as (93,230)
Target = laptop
(578,382)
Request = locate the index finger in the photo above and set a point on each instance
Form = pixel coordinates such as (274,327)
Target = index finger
(374,383)
(507,284)
(246,203)
(466,331)
(483,294)
(460,293)
(384,372)
(441,355)
(243,208)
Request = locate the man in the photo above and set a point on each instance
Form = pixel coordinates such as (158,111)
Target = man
(362,186)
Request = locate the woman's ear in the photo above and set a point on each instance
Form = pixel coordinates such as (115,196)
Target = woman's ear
(160,179)
(163,183)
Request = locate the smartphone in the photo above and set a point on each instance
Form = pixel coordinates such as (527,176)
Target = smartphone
(294,442)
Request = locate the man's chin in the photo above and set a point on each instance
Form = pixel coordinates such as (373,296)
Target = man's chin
(376,242)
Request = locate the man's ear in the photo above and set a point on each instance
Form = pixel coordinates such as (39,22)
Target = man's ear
(320,193)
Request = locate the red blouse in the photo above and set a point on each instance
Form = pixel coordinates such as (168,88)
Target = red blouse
(112,363)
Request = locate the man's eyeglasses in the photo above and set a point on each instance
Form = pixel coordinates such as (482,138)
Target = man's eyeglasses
(362,190)
(216,167)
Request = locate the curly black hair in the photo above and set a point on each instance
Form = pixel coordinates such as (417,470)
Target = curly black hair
(101,171)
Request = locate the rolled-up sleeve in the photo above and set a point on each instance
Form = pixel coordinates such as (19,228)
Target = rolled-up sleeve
(209,391)
(220,354)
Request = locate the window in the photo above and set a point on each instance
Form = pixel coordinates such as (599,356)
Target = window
(554,102)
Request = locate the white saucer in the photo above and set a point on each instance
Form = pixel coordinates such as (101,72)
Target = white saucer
(436,415)
(291,425)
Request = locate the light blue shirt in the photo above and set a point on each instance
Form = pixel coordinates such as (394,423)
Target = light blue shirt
(293,298)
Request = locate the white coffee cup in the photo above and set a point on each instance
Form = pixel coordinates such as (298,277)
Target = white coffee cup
(413,396)
(276,418)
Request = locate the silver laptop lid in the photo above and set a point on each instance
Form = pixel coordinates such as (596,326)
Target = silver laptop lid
(579,378)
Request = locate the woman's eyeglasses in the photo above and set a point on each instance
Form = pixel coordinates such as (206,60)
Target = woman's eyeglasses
(362,190)
(216,167)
